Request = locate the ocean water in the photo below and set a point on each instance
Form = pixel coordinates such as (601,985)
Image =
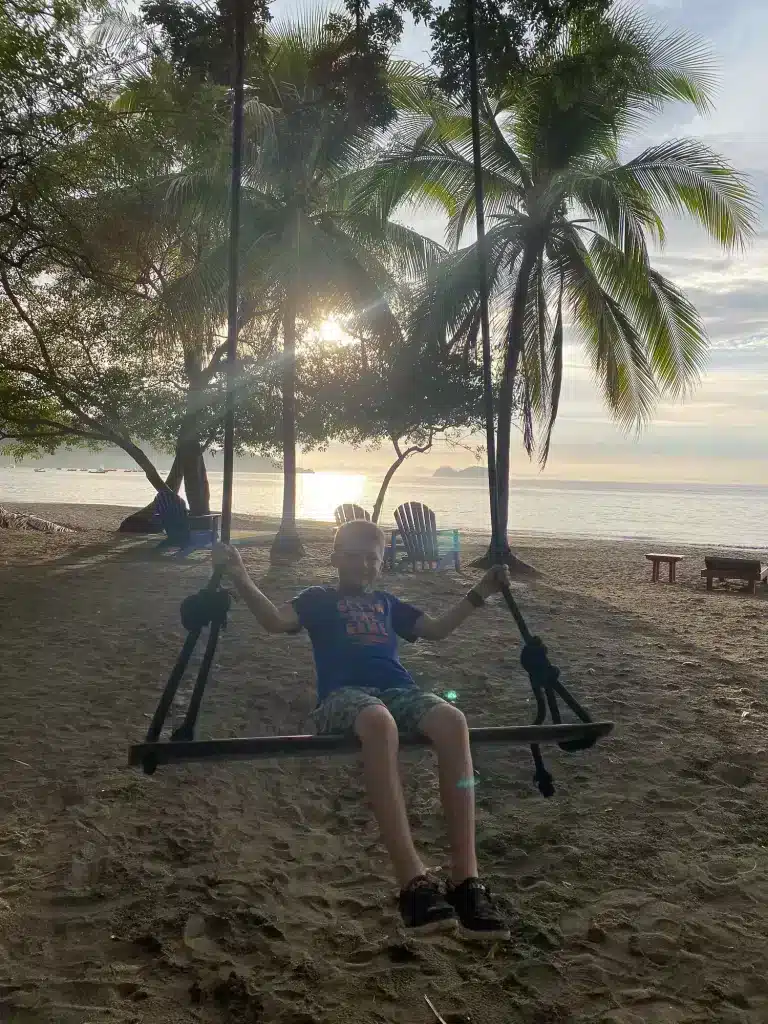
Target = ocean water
(687,513)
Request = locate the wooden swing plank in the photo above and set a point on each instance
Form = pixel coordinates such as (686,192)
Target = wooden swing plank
(262,747)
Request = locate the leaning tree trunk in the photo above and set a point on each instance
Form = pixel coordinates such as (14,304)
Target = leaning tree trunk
(415,449)
(142,521)
(505,412)
(287,546)
(144,461)
(385,484)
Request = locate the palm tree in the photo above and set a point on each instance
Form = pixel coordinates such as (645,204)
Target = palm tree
(571,221)
(305,250)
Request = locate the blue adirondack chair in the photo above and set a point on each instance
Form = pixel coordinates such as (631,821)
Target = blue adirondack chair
(182,530)
(419,539)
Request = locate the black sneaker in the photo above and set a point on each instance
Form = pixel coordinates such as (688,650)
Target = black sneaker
(424,909)
(479,919)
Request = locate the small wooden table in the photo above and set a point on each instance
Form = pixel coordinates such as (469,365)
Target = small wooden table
(657,559)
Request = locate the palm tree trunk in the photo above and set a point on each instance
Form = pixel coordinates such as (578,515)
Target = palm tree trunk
(287,546)
(505,412)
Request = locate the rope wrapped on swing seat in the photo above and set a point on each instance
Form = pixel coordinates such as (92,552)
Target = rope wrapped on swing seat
(208,608)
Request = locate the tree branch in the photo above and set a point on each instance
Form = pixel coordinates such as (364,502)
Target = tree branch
(207,375)
(53,379)
(27,319)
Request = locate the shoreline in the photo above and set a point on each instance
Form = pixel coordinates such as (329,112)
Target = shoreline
(86,517)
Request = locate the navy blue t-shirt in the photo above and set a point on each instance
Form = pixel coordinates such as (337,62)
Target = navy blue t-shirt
(354,637)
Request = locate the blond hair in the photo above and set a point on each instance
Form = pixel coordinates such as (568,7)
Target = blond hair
(364,528)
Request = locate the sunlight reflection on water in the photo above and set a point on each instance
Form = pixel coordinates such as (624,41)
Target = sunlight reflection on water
(695,514)
(320,493)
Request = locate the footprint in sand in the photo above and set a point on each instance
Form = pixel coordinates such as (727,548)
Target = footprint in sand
(728,869)
(199,940)
(737,775)
(229,938)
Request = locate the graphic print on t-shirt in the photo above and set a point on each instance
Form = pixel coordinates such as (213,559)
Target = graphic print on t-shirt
(365,619)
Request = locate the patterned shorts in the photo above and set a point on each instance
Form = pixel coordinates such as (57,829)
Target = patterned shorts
(407,706)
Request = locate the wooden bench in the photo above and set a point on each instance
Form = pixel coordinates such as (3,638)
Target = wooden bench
(656,559)
(722,569)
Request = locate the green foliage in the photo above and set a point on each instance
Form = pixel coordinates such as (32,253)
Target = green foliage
(404,393)
(199,39)
(510,34)
(69,354)
(299,230)
(29,423)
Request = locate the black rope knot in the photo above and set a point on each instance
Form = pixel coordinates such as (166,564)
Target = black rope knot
(535,661)
(541,776)
(206,606)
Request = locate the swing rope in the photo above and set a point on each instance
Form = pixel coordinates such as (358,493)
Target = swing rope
(233,317)
(208,609)
(543,676)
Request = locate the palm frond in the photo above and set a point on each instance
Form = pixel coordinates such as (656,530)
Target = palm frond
(446,305)
(676,335)
(688,178)
(556,383)
(616,205)
(406,252)
(120,31)
(676,65)
(673,332)
(533,354)
(613,342)
(293,38)
(412,87)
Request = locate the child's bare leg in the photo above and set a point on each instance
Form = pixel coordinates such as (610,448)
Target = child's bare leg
(378,736)
(446,727)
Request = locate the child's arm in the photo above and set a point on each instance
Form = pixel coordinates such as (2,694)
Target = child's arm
(272,618)
(428,628)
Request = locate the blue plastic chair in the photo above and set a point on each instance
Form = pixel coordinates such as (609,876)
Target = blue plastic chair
(182,530)
(419,539)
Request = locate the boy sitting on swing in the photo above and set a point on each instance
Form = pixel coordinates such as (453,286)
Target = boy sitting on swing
(363,688)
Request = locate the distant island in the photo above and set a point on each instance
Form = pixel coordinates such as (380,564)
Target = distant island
(471,471)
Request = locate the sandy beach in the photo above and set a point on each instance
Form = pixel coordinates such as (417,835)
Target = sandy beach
(258,892)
